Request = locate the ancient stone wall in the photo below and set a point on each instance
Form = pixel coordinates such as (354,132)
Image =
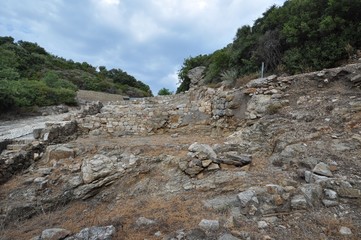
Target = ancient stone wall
(205,106)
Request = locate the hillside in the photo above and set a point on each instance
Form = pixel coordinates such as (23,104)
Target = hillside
(276,158)
(300,36)
(30,76)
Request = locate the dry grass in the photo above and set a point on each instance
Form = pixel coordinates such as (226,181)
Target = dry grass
(98,96)
(246,79)
(174,213)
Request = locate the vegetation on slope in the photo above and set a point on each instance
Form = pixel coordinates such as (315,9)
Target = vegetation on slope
(300,36)
(30,76)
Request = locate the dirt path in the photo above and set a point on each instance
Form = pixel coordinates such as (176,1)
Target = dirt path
(23,128)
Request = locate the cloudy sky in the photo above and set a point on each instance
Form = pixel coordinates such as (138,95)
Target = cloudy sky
(149,39)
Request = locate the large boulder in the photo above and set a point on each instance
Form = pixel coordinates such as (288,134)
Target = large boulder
(202,151)
(196,76)
(99,166)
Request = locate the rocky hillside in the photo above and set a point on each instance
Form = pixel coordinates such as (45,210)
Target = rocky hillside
(278,158)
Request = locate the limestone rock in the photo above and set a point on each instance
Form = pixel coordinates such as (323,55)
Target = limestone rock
(245,197)
(236,159)
(202,149)
(58,152)
(348,192)
(196,76)
(228,236)
(258,105)
(209,225)
(193,171)
(222,202)
(356,78)
(258,83)
(213,166)
(143,222)
(206,163)
(322,169)
(329,203)
(330,194)
(299,202)
(99,166)
(92,109)
(94,233)
(194,234)
(54,234)
(345,231)
(313,193)
(262,224)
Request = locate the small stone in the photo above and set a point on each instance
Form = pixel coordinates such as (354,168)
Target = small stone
(308,176)
(99,233)
(274,91)
(213,166)
(245,197)
(229,223)
(252,210)
(44,171)
(356,78)
(142,222)
(54,234)
(234,158)
(262,225)
(330,194)
(40,180)
(266,237)
(271,220)
(278,200)
(209,225)
(228,236)
(273,189)
(322,169)
(345,231)
(206,163)
(252,116)
(329,203)
(348,192)
(299,202)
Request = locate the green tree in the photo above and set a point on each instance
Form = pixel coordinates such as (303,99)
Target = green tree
(164,91)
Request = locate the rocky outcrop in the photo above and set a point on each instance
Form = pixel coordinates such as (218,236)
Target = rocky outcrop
(196,77)
(202,158)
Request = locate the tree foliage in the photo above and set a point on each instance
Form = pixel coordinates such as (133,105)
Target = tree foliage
(164,91)
(29,76)
(301,35)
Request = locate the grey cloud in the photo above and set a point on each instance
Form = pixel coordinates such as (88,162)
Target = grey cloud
(148,39)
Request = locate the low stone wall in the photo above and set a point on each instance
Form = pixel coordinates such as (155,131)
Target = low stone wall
(205,106)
